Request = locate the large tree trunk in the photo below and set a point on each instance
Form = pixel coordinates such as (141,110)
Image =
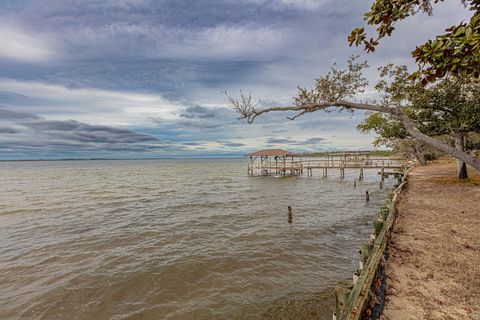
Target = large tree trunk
(461,165)
(434,143)
(417,151)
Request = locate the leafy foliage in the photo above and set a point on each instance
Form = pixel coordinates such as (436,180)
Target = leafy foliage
(449,106)
(336,85)
(455,52)
(387,129)
(445,108)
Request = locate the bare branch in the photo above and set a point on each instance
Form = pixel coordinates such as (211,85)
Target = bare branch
(329,91)
(297,115)
(244,105)
(249,111)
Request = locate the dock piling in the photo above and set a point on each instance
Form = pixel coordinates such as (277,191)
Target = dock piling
(361,174)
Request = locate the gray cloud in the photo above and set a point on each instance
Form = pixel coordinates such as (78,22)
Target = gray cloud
(207,118)
(273,141)
(6,114)
(314,141)
(233,144)
(7,130)
(76,131)
(198,112)
(31,135)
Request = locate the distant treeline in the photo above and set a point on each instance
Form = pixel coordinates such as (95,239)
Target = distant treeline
(383,153)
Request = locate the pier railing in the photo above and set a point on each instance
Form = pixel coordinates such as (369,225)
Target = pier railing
(296,167)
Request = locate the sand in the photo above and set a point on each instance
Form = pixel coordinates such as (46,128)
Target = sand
(433,271)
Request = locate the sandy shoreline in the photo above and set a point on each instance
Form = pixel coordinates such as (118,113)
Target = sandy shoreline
(433,271)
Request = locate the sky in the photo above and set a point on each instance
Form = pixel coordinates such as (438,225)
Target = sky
(143,78)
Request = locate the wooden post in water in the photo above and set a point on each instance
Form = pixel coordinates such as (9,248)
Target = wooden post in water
(367,196)
(250,167)
(290,215)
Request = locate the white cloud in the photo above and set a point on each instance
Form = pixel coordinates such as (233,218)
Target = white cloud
(90,105)
(18,44)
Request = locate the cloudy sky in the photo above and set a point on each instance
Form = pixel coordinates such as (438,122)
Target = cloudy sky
(143,78)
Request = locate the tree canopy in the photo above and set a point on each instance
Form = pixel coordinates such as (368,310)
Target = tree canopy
(456,52)
(447,109)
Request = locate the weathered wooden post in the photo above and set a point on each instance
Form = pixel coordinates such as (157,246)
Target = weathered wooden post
(342,291)
(354,183)
(290,215)
(367,196)
(250,167)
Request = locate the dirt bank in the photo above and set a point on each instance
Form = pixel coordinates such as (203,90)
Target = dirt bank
(434,265)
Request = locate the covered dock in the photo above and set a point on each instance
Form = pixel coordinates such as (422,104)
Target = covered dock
(274,161)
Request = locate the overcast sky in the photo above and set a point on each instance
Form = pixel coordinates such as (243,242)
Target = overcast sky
(142,78)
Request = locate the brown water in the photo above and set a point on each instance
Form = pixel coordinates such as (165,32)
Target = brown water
(176,239)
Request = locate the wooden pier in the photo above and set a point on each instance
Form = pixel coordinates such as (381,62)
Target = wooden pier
(283,163)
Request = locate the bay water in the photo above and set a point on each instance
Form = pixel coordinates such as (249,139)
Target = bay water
(177,239)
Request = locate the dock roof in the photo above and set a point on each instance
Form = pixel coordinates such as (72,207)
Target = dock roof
(272,153)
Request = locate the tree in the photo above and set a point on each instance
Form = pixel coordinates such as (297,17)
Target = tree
(450,107)
(338,88)
(456,52)
(392,134)
(446,109)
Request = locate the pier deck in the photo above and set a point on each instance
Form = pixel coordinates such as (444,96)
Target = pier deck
(300,167)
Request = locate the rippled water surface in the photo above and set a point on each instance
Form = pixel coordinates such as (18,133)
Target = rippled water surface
(176,239)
